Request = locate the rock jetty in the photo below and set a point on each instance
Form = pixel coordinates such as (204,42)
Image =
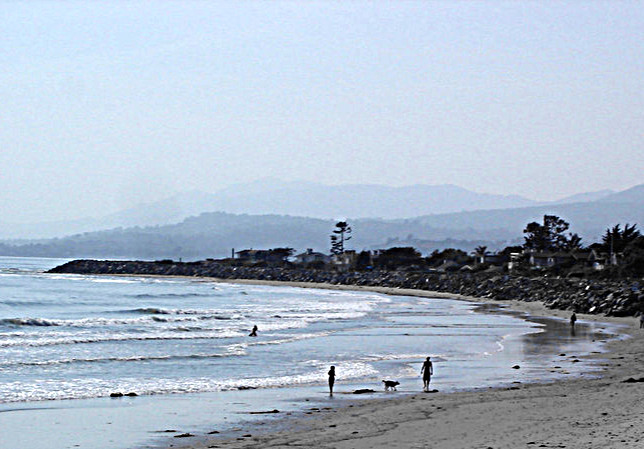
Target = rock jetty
(612,298)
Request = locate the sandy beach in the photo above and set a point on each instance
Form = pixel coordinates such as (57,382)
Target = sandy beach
(606,412)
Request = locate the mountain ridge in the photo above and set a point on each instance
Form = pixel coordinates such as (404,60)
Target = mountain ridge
(215,234)
(315,200)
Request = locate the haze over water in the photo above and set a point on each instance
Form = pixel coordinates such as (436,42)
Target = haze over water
(182,345)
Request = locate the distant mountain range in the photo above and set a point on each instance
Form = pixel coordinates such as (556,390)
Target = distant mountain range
(215,234)
(305,199)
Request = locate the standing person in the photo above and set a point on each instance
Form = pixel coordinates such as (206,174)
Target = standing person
(331,379)
(427,371)
(253,333)
(642,320)
(573,319)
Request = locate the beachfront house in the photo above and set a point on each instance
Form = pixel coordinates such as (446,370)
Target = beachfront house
(274,256)
(591,259)
(550,259)
(252,255)
(344,261)
(309,256)
(494,259)
(449,265)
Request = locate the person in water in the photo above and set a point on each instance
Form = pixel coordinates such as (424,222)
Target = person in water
(253,333)
(331,379)
(427,371)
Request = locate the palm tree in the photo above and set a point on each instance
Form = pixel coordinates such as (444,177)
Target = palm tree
(480,252)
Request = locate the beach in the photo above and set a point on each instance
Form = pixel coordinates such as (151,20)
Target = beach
(181,345)
(602,411)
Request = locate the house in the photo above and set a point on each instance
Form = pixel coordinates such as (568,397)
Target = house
(494,259)
(310,256)
(595,259)
(345,260)
(550,259)
(271,256)
(253,255)
(448,265)
(515,260)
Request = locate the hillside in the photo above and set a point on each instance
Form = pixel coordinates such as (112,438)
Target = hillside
(214,234)
(305,199)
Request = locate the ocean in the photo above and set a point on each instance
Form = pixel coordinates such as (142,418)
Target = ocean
(67,342)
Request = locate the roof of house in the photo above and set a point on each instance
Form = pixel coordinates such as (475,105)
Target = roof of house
(447,265)
(314,253)
(546,255)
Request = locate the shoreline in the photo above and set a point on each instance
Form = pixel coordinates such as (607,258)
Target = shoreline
(610,297)
(532,307)
(553,414)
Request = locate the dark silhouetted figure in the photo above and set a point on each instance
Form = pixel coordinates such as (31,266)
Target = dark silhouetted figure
(331,379)
(573,319)
(642,321)
(427,371)
(253,333)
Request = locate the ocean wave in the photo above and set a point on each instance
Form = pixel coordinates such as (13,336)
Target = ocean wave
(101,321)
(113,281)
(215,314)
(172,295)
(417,357)
(94,338)
(152,310)
(28,303)
(29,322)
(90,278)
(277,341)
(135,358)
(41,390)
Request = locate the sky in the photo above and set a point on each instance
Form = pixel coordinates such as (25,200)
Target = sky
(108,104)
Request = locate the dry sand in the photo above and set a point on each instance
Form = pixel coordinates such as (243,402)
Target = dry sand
(583,413)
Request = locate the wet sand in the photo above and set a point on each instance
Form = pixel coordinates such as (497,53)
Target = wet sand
(603,411)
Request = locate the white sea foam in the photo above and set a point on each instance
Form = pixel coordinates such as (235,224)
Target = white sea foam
(98,338)
(50,389)
(134,358)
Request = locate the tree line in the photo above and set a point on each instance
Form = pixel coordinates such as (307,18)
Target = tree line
(623,244)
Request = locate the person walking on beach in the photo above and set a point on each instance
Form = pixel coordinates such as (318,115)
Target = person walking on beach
(642,321)
(331,379)
(253,333)
(573,319)
(427,371)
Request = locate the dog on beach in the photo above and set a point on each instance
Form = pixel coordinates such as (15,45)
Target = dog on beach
(390,385)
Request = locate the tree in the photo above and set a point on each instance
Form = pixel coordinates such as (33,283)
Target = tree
(573,243)
(449,254)
(615,240)
(395,257)
(479,253)
(339,237)
(511,249)
(548,236)
(633,263)
(280,254)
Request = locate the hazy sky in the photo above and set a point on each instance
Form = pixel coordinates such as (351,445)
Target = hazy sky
(106,104)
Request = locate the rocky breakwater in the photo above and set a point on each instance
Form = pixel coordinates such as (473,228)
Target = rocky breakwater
(614,298)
